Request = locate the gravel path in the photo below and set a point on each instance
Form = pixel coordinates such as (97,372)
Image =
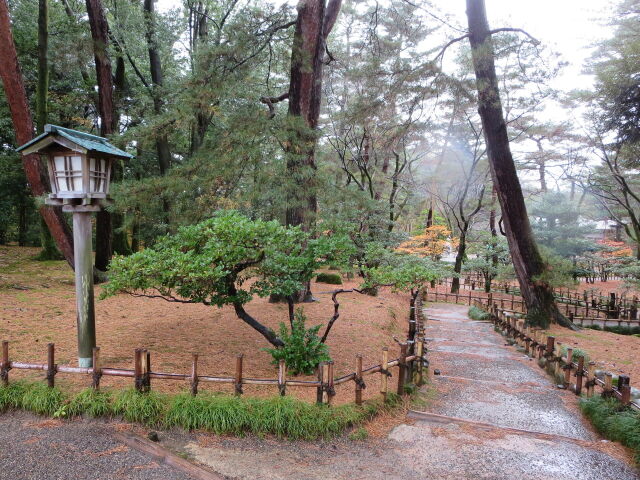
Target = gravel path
(34,448)
(496,416)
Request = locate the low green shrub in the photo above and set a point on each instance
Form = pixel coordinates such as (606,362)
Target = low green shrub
(359,434)
(303,351)
(476,313)
(614,421)
(330,278)
(146,408)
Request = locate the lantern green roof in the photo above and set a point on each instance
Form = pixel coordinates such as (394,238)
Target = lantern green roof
(86,141)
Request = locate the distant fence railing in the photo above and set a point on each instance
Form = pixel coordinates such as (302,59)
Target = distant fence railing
(410,365)
(578,311)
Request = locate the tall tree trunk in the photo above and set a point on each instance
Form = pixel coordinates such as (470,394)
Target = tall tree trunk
(313,25)
(23,125)
(528,264)
(49,250)
(100,36)
(457,266)
(494,239)
(155,67)
(430,214)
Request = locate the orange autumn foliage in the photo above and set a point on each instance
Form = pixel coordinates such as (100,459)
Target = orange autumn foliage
(432,243)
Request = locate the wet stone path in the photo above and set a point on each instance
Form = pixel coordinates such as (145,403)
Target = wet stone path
(497,415)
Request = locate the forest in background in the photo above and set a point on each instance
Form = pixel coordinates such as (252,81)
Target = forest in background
(359,119)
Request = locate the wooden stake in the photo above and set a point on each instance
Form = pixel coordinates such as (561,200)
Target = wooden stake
(624,387)
(567,370)
(608,385)
(402,368)
(238,377)
(384,380)
(320,389)
(325,381)
(591,379)
(97,369)
(4,365)
(137,369)
(51,366)
(359,381)
(330,390)
(419,353)
(194,374)
(282,377)
(579,374)
(147,370)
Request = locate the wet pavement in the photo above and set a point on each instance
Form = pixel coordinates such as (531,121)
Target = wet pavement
(36,448)
(496,415)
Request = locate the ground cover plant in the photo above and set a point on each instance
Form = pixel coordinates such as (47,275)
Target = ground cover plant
(478,314)
(284,417)
(614,421)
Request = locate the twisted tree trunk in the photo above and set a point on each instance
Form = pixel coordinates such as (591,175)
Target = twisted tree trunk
(529,266)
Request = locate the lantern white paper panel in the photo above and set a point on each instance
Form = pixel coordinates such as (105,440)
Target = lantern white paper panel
(68,173)
(97,175)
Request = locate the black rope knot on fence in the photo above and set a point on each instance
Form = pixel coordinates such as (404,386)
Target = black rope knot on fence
(360,383)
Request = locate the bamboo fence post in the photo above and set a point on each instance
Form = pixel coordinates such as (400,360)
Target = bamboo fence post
(282,377)
(194,374)
(51,366)
(328,381)
(384,372)
(147,370)
(591,379)
(402,368)
(419,353)
(624,387)
(330,385)
(567,368)
(359,381)
(608,385)
(320,388)
(238,375)
(137,369)
(4,366)
(579,374)
(97,370)
(549,349)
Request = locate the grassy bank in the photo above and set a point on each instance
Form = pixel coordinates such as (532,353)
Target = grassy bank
(284,417)
(614,421)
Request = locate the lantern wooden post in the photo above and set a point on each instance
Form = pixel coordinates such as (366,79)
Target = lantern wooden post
(83,265)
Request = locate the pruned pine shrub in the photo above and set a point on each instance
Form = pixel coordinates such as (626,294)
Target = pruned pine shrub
(303,349)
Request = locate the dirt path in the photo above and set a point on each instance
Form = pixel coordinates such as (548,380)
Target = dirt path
(496,416)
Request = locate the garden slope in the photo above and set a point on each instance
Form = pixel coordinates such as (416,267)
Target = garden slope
(37,306)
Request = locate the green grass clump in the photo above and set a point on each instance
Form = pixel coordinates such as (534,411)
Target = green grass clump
(330,278)
(614,421)
(146,408)
(476,313)
(284,417)
(91,402)
(575,356)
(11,395)
(39,398)
(359,434)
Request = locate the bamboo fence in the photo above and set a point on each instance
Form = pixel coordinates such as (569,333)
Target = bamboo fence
(410,367)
